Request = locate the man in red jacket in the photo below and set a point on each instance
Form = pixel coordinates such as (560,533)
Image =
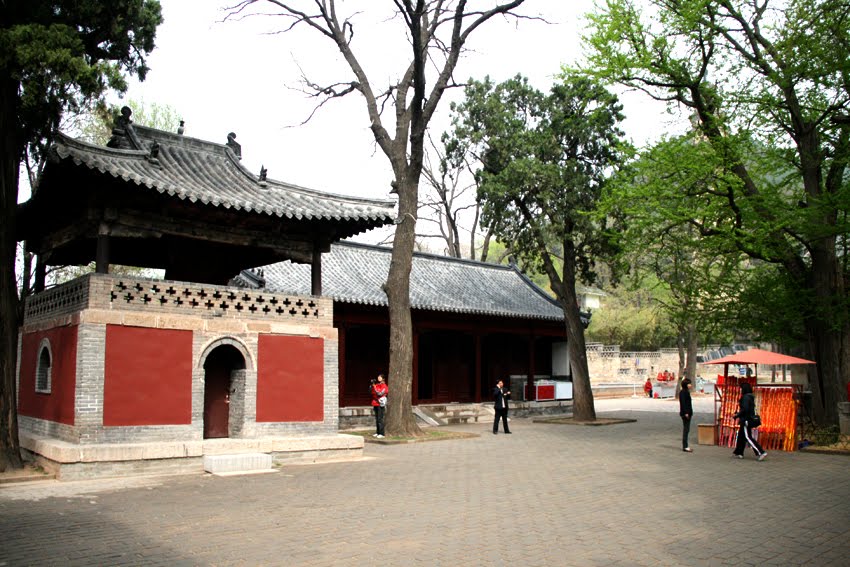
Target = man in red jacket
(379,391)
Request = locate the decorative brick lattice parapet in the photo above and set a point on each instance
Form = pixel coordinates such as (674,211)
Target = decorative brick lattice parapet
(102,291)
(63,299)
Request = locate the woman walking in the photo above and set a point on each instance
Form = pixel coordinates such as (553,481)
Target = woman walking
(745,415)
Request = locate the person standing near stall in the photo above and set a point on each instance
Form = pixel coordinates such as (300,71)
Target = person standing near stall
(686,412)
(647,388)
(746,414)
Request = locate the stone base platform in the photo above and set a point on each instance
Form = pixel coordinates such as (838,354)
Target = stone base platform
(70,461)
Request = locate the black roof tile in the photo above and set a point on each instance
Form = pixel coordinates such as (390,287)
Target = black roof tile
(197,170)
(355,273)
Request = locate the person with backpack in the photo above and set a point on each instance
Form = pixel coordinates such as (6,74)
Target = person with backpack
(379,391)
(746,423)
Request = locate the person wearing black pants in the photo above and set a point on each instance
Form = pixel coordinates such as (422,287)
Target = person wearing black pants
(379,391)
(686,412)
(745,415)
(500,404)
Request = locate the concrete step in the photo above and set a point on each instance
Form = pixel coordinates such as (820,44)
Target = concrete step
(427,417)
(239,463)
(457,413)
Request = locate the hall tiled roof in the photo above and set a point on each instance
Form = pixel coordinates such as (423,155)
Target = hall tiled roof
(354,273)
(210,173)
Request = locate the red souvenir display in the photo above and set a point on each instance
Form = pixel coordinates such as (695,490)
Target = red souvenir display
(776,405)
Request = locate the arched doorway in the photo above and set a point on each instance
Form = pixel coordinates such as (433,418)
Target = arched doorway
(219,367)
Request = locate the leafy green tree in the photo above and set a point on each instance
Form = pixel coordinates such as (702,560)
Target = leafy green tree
(544,159)
(54,56)
(657,237)
(633,317)
(771,75)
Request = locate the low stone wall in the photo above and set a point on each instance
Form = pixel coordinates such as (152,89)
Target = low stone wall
(608,365)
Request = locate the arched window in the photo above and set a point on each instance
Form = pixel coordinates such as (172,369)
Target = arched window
(42,371)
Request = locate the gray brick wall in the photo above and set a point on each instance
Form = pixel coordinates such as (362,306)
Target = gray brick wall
(88,411)
(96,300)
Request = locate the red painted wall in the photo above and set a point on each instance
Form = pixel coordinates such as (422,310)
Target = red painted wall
(290,378)
(148,376)
(58,405)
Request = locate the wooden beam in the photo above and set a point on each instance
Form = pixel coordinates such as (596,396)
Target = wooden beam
(293,244)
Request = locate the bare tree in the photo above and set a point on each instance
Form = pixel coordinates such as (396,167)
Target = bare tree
(436,32)
(450,205)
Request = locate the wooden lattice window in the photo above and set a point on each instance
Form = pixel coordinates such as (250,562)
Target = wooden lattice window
(42,370)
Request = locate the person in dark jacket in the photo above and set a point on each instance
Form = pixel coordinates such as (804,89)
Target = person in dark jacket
(500,404)
(686,412)
(746,412)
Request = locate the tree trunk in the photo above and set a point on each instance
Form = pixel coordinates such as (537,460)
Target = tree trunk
(681,346)
(10,449)
(400,418)
(691,366)
(829,335)
(583,408)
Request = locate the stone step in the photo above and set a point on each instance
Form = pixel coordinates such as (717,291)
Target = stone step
(238,463)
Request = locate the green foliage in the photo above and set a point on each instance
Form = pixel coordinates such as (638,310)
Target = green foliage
(633,320)
(64,53)
(765,174)
(544,159)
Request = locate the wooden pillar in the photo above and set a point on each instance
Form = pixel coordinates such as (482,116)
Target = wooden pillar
(40,274)
(102,255)
(532,395)
(316,272)
(478,368)
(414,388)
(341,354)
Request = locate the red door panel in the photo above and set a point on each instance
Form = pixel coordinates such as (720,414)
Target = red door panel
(216,403)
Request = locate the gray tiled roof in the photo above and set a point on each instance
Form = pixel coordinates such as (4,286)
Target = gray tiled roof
(203,171)
(354,273)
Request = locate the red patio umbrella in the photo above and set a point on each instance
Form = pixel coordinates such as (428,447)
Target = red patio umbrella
(759,356)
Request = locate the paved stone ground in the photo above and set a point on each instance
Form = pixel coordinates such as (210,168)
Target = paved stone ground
(547,495)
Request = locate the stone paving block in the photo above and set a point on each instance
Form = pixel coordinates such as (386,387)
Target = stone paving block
(548,495)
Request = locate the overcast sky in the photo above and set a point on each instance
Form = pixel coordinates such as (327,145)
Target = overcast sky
(233,76)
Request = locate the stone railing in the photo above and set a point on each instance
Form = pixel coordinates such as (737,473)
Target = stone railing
(105,291)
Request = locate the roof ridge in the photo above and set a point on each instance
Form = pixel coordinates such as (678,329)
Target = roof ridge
(68,140)
(441,257)
(224,150)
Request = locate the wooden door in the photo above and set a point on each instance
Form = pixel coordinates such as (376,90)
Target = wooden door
(216,401)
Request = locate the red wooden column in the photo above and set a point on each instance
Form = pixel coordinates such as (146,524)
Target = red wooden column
(316,272)
(532,395)
(341,354)
(478,368)
(414,387)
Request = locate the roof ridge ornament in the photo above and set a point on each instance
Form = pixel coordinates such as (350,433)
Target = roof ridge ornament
(153,156)
(234,145)
(119,127)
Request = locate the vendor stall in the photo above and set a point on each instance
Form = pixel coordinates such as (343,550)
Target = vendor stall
(777,404)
